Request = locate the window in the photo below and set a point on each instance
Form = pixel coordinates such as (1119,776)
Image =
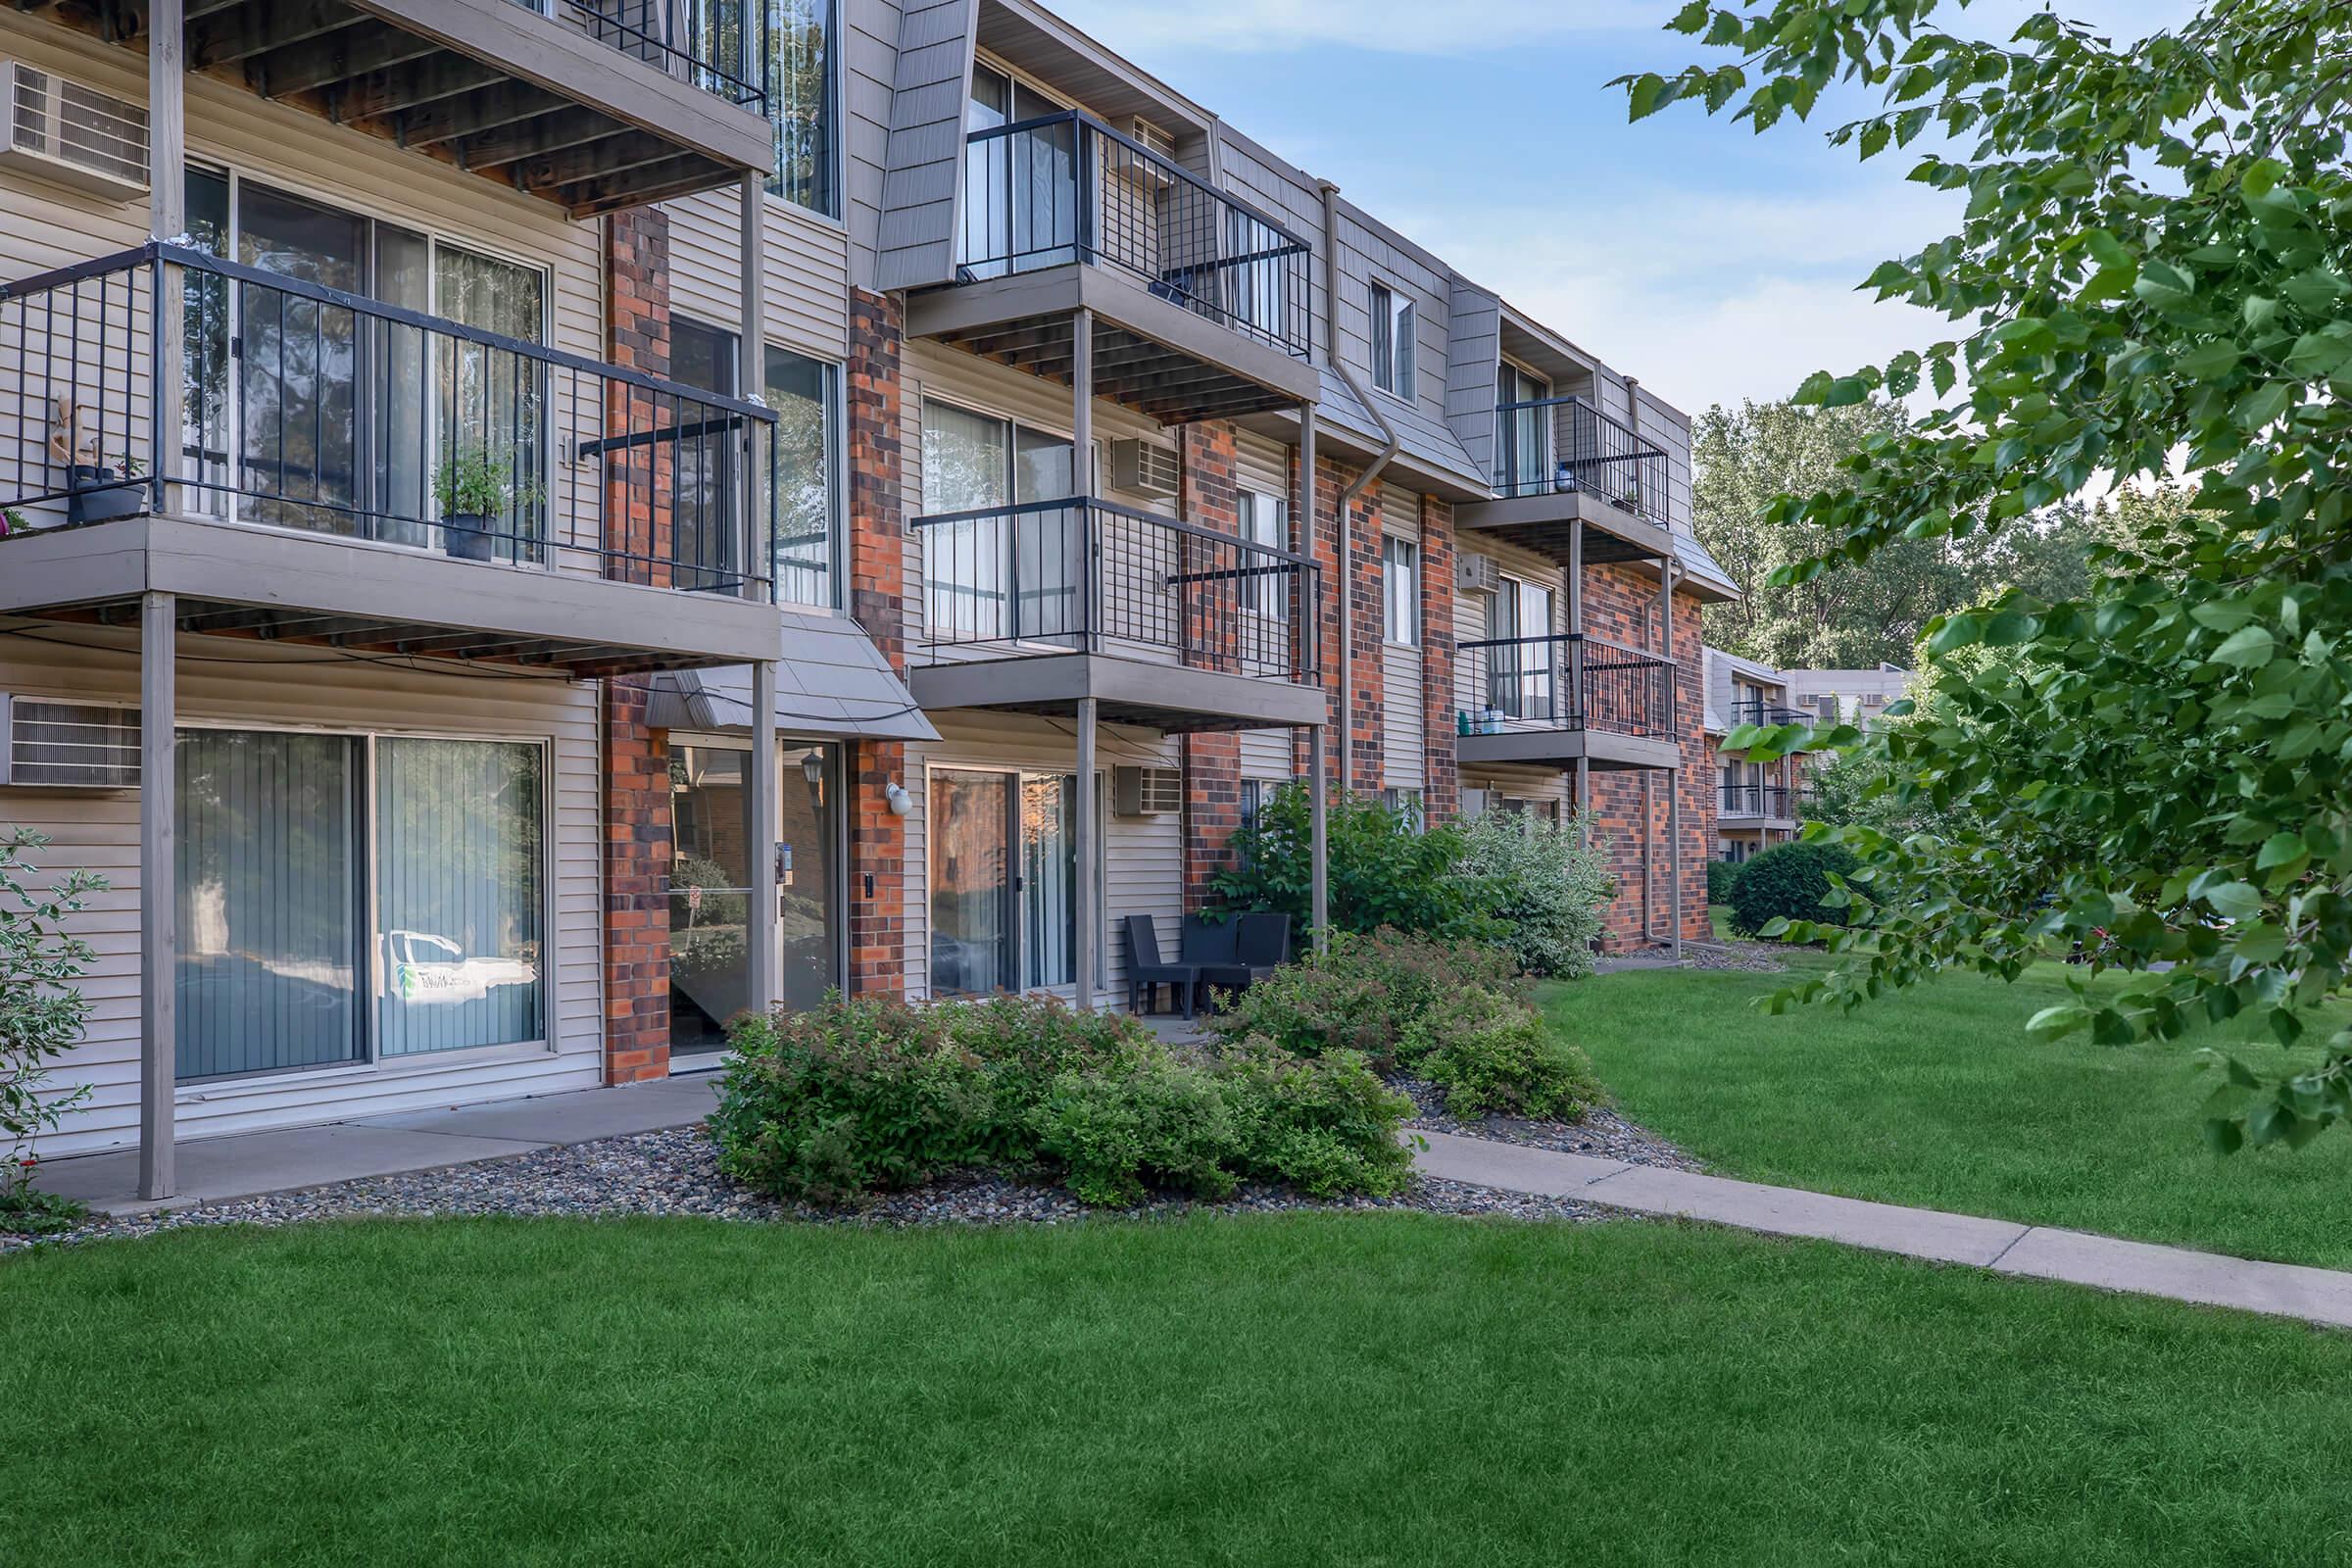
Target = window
(1391,342)
(708,497)
(1521,618)
(1407,803)
(343,898)
(1522,433)
(1007,576)
(1401,589)
(805,395)
(1265,520)
(803,103)
(1020,203)
(1257,275)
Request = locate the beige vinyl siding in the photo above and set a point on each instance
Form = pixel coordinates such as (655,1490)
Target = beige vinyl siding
(1472,612)
(1520,782)
(231,683)
(1404,752)
(1143,864)
(1265,466)
(806,272)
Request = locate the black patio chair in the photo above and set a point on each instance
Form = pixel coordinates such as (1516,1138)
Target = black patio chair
(1215,947)
(1146,973)
(1265,943)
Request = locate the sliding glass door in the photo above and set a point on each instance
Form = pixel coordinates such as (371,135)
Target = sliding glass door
(1007,578)
(1522,435)
(1004,881)
(313,869)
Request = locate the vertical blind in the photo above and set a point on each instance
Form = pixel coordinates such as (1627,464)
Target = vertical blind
(272,889)
(268,892)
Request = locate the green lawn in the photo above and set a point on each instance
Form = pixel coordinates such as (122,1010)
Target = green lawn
(1360,1390)
(1937,1098)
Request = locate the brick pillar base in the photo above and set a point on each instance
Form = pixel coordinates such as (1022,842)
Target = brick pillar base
(877,571)
(637,853)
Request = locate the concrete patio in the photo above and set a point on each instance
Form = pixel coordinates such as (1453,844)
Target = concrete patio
(218,1169)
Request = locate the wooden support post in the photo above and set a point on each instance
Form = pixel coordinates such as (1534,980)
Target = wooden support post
(167,220)
(764,762)
(1090,853)
(159,904)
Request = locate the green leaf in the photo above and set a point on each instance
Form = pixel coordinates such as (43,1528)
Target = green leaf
(2264,405)
(2316,356)
(2051,1023)
(2235,901)
(2163,284)
(1644,99)
(2246,648)
(2213,359)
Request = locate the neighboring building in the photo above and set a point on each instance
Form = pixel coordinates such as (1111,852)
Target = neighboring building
(1759,803)
(1851,695)
(934,479)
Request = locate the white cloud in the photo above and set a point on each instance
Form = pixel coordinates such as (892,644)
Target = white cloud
(1393,26)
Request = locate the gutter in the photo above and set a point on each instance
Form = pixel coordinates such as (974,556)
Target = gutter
(1358,485)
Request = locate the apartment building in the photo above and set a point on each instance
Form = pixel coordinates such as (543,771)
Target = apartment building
(1851,695)
(611,514)
(1760,802)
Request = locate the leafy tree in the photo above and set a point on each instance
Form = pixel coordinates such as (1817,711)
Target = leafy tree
(1544,882)
(2152,260)
(1743,460)
(1381,871)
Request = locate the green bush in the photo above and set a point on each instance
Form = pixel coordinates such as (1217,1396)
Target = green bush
(1491,1055)
(43,1014)
(1721,874)
(1788,882)
(1362,995)
(861,1097)
(1544,883)
(1383,872)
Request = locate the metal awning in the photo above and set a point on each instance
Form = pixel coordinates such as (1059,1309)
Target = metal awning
(832,681)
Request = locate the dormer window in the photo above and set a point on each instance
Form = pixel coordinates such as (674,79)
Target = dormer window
(1391,342)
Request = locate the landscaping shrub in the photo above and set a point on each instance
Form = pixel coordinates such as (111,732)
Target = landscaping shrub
(42,1015)
(859,1097)
(1383,872)
(1788,882)
(1363,994)
(1491,1054)
(1544,883)
(1721,874)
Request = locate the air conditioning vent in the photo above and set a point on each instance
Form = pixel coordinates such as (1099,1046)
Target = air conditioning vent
(70,134)
(67,746)
(1146,791)
(1474,574)
(1154,137)
(1145,467)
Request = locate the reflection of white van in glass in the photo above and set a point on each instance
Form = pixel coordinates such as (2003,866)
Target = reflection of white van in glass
(427,969)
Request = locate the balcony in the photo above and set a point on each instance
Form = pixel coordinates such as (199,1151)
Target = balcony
(1563,468)
(351,473)
(1760,711)
(1564,699)
(1770,803)
(1202,302)
(590,104)
(1031,608)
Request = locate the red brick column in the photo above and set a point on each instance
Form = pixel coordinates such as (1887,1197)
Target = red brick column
(1358,708)
(638,838)
(1441,779)
(1209,496)
(877,567)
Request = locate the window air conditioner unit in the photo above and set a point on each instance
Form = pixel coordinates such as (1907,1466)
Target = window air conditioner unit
(1474,574)
(1477,802)
(1146,791)
(1148,172)
(1145,467)
(67,746)
(69,134)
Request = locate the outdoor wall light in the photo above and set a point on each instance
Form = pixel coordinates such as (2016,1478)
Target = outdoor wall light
(901,803)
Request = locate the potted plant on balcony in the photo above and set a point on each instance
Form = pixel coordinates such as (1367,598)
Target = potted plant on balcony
(473,493)
(97,491)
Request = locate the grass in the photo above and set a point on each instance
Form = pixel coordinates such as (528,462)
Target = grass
(1935,1098)
(1367,1389)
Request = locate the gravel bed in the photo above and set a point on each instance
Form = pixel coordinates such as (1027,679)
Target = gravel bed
(1603,1134)
(1756,957)
(676,1172)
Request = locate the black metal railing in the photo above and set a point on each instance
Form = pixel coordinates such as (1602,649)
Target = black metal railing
(1553,446)
(310,408)
(1759,712)
(1066,187)
(708,45)
(1757,800)
(1566,681)
(1078,575)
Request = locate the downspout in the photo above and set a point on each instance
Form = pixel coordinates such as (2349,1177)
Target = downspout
(1346,542)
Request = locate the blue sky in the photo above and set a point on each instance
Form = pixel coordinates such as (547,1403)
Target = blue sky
(1713,263)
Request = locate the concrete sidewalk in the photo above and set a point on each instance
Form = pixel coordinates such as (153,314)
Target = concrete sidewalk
(2037,1251)
(218,1169)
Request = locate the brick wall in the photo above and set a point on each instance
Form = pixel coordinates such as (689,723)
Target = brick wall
(637,825)
(1209,496)
(1366,735)
(877,566)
